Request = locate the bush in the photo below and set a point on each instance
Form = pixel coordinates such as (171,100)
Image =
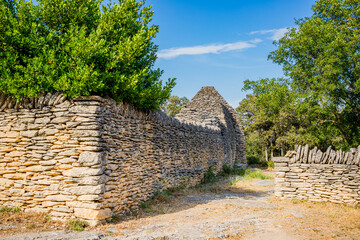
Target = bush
(227,170)
(271,164)
(209,176)
(252,160)
(75,48)
(77,224)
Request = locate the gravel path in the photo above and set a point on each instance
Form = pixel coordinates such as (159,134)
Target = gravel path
(223,215)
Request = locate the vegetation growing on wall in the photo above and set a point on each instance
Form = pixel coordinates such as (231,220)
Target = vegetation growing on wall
(79,48)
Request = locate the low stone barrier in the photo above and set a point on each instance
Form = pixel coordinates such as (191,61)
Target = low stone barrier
(331,176)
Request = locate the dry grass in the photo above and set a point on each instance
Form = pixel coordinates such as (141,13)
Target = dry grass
(16,222)
(321,220)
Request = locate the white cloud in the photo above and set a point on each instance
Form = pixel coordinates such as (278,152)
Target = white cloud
(276,34)
(206,49)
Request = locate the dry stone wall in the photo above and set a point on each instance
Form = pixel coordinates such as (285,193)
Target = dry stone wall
(332,176)
(91,157)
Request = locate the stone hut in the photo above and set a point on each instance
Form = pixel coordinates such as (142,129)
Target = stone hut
(209,108)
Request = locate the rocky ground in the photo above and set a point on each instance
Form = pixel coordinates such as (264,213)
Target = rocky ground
(231,209)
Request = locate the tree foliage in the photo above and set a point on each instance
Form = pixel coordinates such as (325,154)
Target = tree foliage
(269,113)
(173,105)
(322,58)
(277,117)
(74,47)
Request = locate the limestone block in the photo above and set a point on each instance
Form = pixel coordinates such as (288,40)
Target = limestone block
(89,198)
(91,158)
(68,153)
(281,169)
(58,120)
(48,131)
(63,209)
(29,134)
(10,134)
(48,163)
(86,190)
(65,166)
(6,182)
(318,156)
(60,198)
(92,214)
(66,160)
(43,120)
(77,204)
(306,154)
(85,109)
(46,204)
(83,172)
(16,154)
(36,168)
(87,133)
(91,180)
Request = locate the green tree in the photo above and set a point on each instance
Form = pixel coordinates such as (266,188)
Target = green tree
(74,47)
(273,118)
(322,58)
(173,105)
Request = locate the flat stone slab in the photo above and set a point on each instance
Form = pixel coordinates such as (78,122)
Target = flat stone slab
(265,182)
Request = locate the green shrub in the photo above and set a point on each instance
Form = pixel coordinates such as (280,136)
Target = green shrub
(271,164)
(79,48)
(209,176)
(144,205)
(227,170)
(162,196)
(77,224)
(114,219)
(252,160)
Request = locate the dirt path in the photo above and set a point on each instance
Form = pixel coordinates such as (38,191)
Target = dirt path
(224,215)
(227,210)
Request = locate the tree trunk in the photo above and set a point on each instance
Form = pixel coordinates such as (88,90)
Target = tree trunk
(266,154)
(271,151)
(282,150)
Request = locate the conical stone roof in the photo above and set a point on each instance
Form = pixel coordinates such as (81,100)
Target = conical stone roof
(210,108)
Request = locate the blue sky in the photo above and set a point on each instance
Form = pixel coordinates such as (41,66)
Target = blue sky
(221,43)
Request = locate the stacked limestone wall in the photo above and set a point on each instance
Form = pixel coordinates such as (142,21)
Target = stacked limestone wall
(332,176)
(50,155)
(149,152)
(91,157)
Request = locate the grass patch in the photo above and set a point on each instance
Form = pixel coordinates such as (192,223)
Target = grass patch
(297,201)
(10,209)
(255,174)
(77,224)
(27,221)
(31,226)
(227,171)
